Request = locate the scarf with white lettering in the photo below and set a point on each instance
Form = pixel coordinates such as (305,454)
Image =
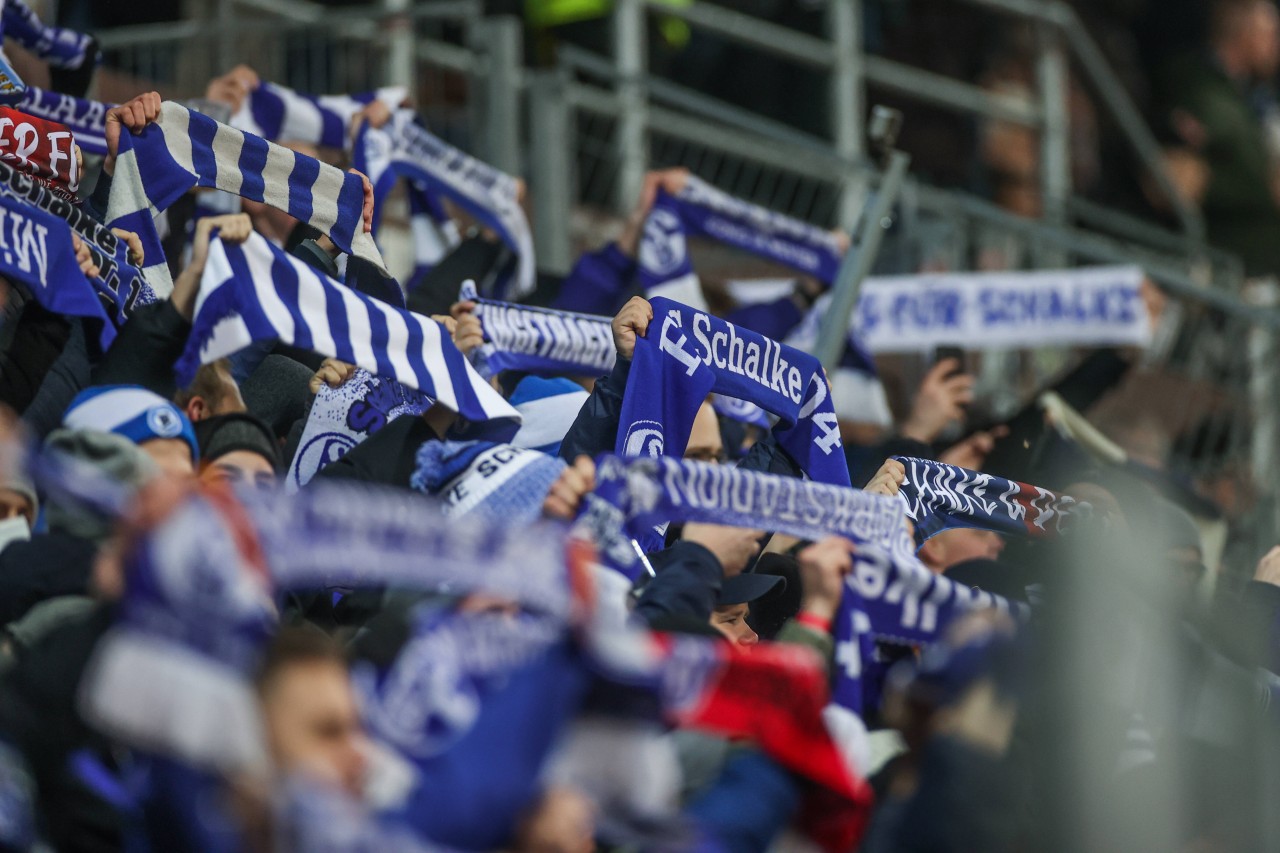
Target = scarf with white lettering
(900,599)
(701,210)
(255,292)
(43,149)
(404,149)
(86,119)
(119,284)
(36,251)
(342,417)
(1094,306)
(687,354)
(939,497)
(280,114)
(183,149)
(540,340)
(890,596)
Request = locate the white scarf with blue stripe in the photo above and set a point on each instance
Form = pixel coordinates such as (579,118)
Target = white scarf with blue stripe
(184,149)
(255,292)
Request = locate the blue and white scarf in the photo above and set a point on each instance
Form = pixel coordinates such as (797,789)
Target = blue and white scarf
(890,596)
(1094,306)
(434,169)
(86,119)
(280,114)
(255,292)
(700,209)
(184,149)
(35,250)
(350,535)
(540,340)
(687,354)
(60,47)
(119,284)
(939,497)
(342,417)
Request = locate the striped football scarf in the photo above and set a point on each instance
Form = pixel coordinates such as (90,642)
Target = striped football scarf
(184,149)
(280,114)
(255,292)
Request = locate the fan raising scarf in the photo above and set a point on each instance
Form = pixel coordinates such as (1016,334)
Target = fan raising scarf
(539,340)
(940,497)
(184,149)
(687,354)
(890,596)
(255,292)
(119,284)
(280,114)
(700,209)
(434,170)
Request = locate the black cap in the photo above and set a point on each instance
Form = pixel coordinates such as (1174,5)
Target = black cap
(748,587)
(224,434)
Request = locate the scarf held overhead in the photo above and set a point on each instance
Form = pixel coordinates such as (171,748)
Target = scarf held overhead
(342,417)
(280,114)
(436,170)
(184,149)
(687,354)
(940,497)
(119,284)
(701,210)
(1083,307)
(518,337)
(255,292)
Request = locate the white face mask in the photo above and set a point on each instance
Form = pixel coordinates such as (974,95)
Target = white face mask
(14,529)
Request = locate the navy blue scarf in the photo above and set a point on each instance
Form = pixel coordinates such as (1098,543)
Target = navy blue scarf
(939,497)
(688,354)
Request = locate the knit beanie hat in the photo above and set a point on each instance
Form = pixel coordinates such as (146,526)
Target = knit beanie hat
(549,408)
(115,457)
(225,434)
(498,482)
(130,411)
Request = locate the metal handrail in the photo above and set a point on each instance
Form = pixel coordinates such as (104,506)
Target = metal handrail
(937,89)
(134,35)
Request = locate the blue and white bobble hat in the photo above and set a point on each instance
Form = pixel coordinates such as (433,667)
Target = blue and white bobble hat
(548,407)
(132,412)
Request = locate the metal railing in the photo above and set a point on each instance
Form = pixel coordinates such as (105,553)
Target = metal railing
(584,132)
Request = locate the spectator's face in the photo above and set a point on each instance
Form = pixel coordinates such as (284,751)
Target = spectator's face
(950,547)
(704,442)
(241,468)
(732,622)
(172,455)
(14,504)
(313,726)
